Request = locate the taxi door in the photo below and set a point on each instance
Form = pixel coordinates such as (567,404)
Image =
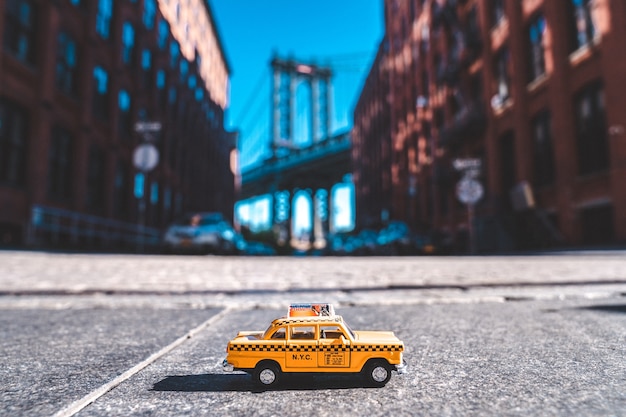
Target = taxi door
(334,348)
(301,346)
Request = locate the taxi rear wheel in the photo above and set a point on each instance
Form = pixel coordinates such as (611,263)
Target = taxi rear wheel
(266,374)
(377,372)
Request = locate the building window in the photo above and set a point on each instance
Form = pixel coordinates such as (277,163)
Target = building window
(439,70)
(542,149)
(13,136)
(20,30)
(160,84)
(95,180)
(101,93)
(582,27)
(122,191)
(164,32)
(455,104)
(67,64)
(425,87)
(472,42)
(149,12)
(199,94)
(192,82)
(174,53)
(146,60)
(124,102)
(184,69)
(507,166)
(172,95)
(154,193)
(503,79)
(103,18)
(128,42)
(424,40)
(536,36)
(497,12)
(60,165)
(592,138)
(160,79)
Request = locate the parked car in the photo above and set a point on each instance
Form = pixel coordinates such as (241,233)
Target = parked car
(202,233)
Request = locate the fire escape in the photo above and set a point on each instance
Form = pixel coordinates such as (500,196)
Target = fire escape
(465,96)
(526,225)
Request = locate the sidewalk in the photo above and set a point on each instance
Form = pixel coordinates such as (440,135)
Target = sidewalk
(50,273)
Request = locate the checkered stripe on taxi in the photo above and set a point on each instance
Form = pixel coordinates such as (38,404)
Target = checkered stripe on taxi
(307,320)
(314,348)
(377,348)
(257,348)
(302,348)
(333,348)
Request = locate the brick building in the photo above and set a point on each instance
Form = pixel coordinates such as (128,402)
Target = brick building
(371,147)
(75,78)
(533,90)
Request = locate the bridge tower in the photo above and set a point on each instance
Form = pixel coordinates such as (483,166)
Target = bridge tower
(297,170)
(286,74)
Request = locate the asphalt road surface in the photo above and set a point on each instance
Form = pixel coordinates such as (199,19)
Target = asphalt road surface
(483,336)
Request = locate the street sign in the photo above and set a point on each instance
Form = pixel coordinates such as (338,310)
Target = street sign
(145,157)
(144,127)
(469,191)
(467,164)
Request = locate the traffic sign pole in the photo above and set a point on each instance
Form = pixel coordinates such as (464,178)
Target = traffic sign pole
(470,229)
(469,191)
(145,159)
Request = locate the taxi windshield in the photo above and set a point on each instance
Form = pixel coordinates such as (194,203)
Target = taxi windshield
(352,334)
(269,333)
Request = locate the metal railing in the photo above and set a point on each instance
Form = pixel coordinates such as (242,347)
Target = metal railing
(55,227)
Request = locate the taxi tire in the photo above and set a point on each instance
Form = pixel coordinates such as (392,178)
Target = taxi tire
(267,374)
(377,372)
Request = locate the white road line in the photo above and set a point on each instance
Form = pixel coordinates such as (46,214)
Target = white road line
(78,405)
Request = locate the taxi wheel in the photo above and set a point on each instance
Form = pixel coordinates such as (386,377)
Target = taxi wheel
(377,373)
(266,374)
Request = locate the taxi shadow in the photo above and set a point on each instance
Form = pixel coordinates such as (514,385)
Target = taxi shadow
(244,383)
(607,308)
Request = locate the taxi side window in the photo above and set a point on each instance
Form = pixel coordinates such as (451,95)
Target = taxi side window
(279,334)
(331,332)
(303,332)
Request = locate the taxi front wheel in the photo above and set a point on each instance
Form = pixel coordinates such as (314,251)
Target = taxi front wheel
(266,374)
(377,372)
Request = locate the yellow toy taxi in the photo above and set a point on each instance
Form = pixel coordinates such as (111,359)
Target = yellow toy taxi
(313,339)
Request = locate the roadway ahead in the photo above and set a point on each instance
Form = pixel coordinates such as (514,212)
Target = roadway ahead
(484,336)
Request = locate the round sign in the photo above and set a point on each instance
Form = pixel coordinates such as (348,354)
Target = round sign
(145,157)
(469,191)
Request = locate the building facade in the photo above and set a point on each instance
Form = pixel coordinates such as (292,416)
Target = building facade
(371,146)
(531,93)
(76,77)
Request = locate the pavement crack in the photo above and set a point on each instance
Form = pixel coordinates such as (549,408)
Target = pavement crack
(78,405)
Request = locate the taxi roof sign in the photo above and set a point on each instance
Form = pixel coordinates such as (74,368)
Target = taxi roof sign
(311,310)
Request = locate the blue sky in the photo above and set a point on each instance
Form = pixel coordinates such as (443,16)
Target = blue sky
(342,34)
